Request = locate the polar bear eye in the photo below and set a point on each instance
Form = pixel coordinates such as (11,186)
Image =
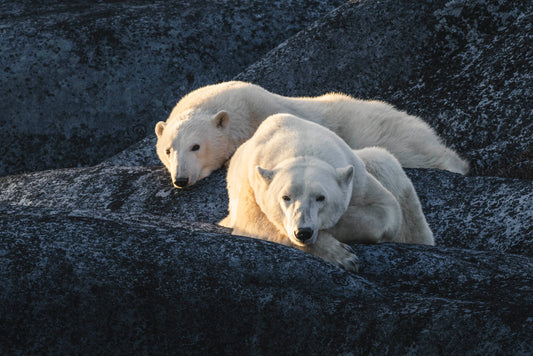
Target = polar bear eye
(320,198)
(167,151)
(286,198)
(195,148)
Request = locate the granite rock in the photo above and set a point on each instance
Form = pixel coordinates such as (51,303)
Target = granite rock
(465,67)
(83,80)
(110,259)
(115,260)
(127,190)
(106,284)
(480,213)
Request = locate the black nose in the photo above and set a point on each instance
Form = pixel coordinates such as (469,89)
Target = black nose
(181,182)
(303,234)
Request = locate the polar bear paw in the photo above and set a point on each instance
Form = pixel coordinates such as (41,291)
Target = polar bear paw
(340,254)
(347,258)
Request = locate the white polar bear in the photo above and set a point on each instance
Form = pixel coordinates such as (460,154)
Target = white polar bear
(206,126)
(297,183)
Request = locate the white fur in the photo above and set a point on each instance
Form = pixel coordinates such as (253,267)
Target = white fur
(244,106)
(296,175)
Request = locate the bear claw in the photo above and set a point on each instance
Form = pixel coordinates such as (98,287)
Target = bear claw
(350,262)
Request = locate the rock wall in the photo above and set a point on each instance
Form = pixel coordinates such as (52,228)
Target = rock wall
(466,67)
(82,81)
(110,259)
(111,285)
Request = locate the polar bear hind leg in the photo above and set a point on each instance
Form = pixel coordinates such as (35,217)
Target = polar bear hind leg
(387,170)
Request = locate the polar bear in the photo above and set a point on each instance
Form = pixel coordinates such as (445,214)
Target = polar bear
(297,183)
(206,126)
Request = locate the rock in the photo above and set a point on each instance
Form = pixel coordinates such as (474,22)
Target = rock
(466,67)
(481,213)
(111,259)
(82,81)
(128,190)
(107,285)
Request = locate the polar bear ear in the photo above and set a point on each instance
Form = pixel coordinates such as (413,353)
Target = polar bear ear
(345,175)
(221,120)
(266,174)
(159,128)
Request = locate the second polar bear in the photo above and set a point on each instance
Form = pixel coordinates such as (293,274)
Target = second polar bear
(207,125)
(297,183)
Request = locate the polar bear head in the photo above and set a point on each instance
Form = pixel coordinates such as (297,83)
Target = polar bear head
(193,145)
(303,196)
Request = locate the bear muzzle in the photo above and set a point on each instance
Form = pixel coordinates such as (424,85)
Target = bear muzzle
(303,234)
(181,182)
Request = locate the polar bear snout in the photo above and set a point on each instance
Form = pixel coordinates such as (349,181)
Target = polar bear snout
(181,182)
(303,234)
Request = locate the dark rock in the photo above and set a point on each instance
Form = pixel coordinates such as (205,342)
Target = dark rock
(95,285)
(115,260)
(82,81)
(481,213)
(128,190)
(463,66)
(112,260)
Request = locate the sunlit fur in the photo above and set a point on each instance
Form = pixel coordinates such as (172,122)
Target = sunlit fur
(302,180)
(367,196)
(361,123)
(175,143)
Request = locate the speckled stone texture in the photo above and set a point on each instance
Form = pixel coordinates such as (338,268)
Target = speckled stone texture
(481,213)
(466,67)
(103,284)
(83,80)
(111,259)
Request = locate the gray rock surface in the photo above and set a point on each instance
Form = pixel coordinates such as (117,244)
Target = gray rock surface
(109,284)
(111,259)
(464,66)
(481,213)
(83,80)
(126,190)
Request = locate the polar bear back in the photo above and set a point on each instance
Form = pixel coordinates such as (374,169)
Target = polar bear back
(282,137)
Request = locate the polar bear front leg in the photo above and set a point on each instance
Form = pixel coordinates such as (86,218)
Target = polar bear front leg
(332,250)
